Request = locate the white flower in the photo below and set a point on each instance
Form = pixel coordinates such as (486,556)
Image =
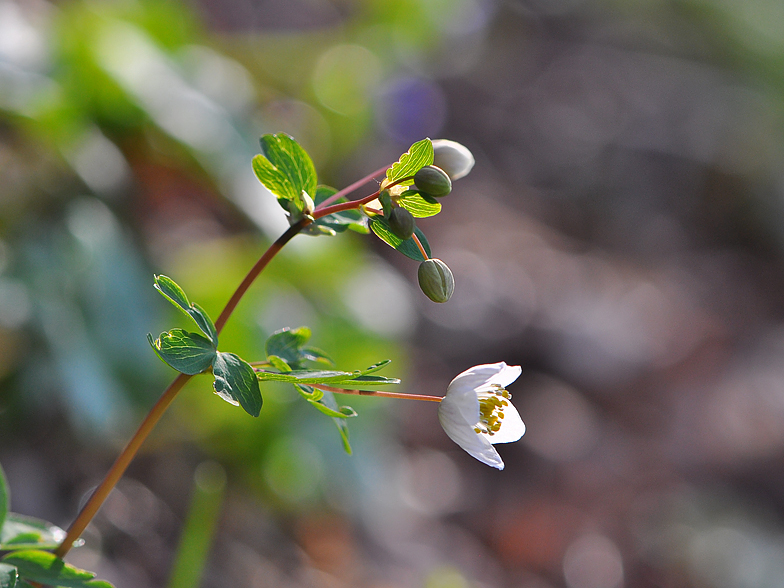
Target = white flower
(452,157)
(476,412)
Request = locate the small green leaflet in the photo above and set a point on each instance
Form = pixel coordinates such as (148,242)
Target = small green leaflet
(189,353)
(22,532)
(380,226)
(286,170)
(330,402)
(288,345)
(47,568)
(343,412)
(236,383)
(418,156)
(177,297)
(417,205)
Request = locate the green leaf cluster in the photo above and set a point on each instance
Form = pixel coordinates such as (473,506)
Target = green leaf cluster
(194,353)
(26,540)
(287,360)
(286,170)
(419,205)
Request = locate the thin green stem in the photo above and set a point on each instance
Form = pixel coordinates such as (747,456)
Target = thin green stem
(380,393)
(117,470)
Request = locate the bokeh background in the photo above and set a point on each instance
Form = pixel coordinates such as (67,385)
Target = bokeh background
(621,237)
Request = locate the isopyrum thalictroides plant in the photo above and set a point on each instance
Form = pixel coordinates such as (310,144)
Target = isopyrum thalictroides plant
(475,412)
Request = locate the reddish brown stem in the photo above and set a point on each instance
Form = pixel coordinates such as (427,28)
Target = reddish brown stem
(257,269)
(380,393)
(352,187)
(120,465)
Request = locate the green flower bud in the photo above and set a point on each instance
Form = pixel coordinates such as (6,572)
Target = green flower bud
(452,157)
(436,280)
(401,223)
(433,180)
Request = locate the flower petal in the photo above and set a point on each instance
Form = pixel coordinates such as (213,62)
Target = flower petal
(512,427)
(462,432)
(507,375)
(478,376)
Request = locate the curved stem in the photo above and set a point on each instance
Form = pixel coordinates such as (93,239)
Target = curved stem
(122,462)
(257,269)
(120,465)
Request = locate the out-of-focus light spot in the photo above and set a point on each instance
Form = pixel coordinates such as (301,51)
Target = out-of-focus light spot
(293,469)
(562,425)
(723,557)
(286,307)
(475,292)
(5,256)
(134,60)
(258,203)
(744,416)
(446,577)
(457,17)
(133,508)
(210,477)
(303,122)
(345,77)
(757,24)
(430,482)
(381,301)
(219,78)
(22,43)
(15,304)
(92,223)
(411,108)
(593,561)
(100,163)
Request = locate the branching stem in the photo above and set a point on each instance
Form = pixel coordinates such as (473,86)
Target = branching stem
(122,462)
(129,452)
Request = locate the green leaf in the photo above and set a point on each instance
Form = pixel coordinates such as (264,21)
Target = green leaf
(380,226)
(8,576)
(417,205)
(169,288)
(279,363)
(343,412)
(418,156)
(309,392)
(47,568)
(285,169)
(365,383)
(377,366)
(189,353)
(286,344)
(330,402)
(22,532)
(235,382)
(4,497)
(306,376)
(317,355)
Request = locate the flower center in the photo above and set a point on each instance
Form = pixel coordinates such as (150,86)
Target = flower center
(491,409)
